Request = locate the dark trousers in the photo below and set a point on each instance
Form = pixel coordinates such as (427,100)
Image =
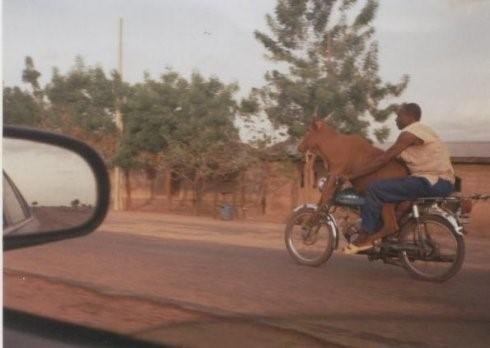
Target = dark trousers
(394,191)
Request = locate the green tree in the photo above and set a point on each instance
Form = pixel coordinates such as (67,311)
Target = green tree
(20,108)
(186,126)
(82,104)
(30,75)
(148,117)
(205,144)
(328,62)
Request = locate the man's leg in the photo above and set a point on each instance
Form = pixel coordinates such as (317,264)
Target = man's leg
(381,192)
(390,191)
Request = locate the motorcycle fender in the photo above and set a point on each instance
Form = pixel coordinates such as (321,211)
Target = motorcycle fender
(333,224)
(451,219)
(331,221)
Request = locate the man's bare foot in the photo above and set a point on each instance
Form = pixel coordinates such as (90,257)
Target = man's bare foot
(365,241)
(361,243)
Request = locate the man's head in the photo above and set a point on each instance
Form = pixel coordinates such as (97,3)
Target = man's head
(407,114)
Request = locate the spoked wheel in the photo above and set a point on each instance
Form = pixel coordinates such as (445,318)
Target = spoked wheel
(309,244)
(432,249)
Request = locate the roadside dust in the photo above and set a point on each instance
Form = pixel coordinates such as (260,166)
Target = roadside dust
(120,314)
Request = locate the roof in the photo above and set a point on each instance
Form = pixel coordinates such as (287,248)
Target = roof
(463,151)
(469,149)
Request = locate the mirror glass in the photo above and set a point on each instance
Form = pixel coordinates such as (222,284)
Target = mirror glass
(45,188)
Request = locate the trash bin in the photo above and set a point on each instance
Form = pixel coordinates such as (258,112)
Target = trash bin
(226,211)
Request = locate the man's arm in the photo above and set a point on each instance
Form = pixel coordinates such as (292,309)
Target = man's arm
(405,139)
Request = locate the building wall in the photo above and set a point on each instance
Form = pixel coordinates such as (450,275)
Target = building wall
(271,192)
(476,179)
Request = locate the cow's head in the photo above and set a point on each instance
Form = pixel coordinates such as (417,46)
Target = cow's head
(315,133)
(312,136)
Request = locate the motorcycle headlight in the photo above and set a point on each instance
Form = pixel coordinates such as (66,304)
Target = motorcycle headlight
(321,183)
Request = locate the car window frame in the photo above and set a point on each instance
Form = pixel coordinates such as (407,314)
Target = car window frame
(11,226)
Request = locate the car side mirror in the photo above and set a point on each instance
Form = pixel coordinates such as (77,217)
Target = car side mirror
(54,188)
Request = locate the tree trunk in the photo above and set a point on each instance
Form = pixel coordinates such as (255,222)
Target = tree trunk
(243,198)
(168,188)
(152,189)
(215,204)
(234,203)
(151,175)
(127,181)
(263,200)
(196,195)
(196,200)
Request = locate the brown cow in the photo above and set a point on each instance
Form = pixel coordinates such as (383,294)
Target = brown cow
(344,154)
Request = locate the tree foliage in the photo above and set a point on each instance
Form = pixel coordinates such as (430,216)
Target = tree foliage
(80,103)
(30,75)
(327,62)
(185,125)
(20,108)
(83,98)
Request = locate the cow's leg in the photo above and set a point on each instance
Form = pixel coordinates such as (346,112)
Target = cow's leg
(402,208)
(390,225)
(325,198)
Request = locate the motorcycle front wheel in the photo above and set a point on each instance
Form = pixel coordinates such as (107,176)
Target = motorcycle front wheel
(309,244)
(433,250)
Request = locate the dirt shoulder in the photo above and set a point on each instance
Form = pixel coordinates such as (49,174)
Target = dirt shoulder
(192,228)
(239,232)
(79,305)
(144,319)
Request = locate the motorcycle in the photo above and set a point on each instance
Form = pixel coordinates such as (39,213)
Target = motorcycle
(429,243)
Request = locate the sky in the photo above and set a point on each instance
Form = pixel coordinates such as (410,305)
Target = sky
(47,174)
(443,45)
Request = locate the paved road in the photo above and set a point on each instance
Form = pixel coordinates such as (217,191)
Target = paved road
(242,271)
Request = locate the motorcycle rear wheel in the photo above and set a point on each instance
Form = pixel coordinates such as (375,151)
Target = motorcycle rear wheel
(432,261)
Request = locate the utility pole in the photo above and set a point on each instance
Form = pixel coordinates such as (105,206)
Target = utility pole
(118,203)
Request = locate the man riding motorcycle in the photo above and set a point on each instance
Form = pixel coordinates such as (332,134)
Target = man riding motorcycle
(431,174)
